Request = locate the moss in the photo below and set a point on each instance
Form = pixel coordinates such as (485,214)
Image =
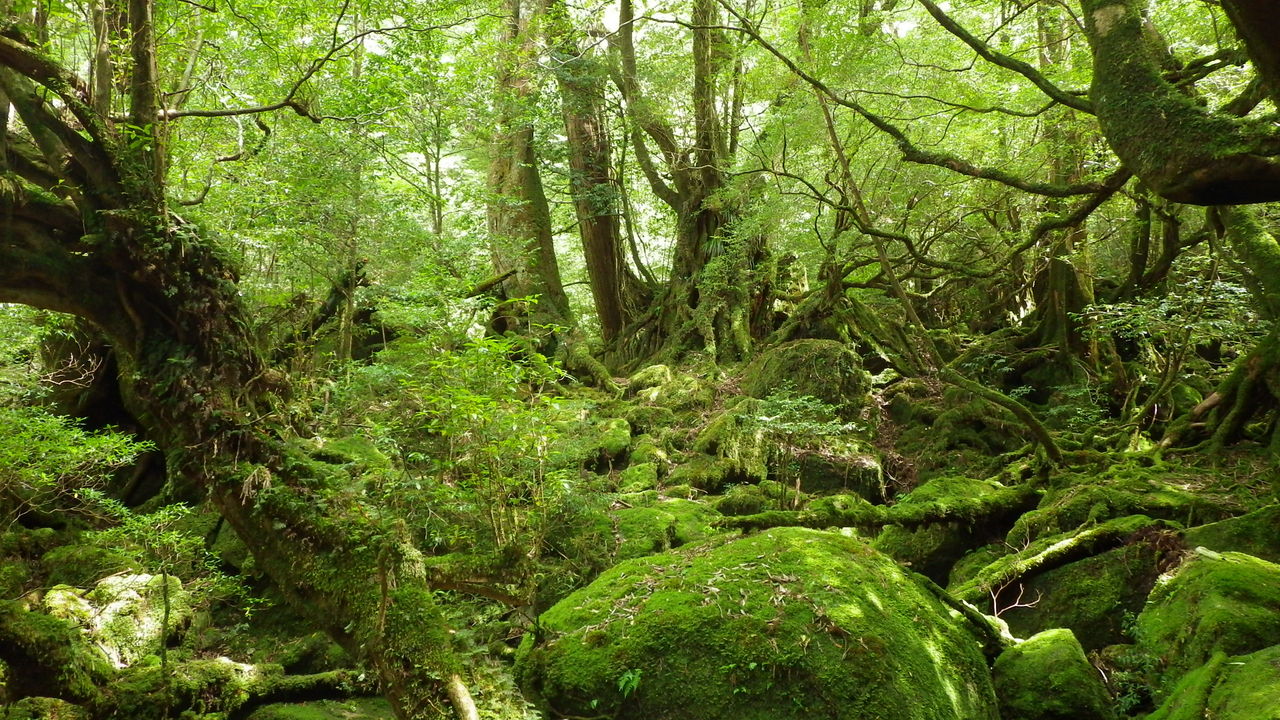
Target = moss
(83,565)
(838,464)
(124,615)
(1237,688)
(55,658)
(932,549)
(702,472)
(1226,603)
(682,392)
(1047,677)
(661,526)
(615,438)
(43,708)
(1051,552)
(738,439)
(973,562)
(646,449)
(743,500)
(649,418)
(788,623)
(1127,489)
(356,452)
(825,369)
(1255,534)
(638,477)
(354,709)
(1092,597)
(650,377)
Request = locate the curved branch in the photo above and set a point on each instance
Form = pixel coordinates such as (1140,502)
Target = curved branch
(1071,100)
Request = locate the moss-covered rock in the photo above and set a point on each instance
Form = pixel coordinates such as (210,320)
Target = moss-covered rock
(646,449)
(83,565)
(932,549)
(742,500)
(1227,603)
(53,656)
(1047,677)
(638,477)
(737,437)
(701,472)
(1092,597)
(1257,534)
(649,418)
(353,709)
(127,616)
(825,369)
(842,464)
(789,623)
(664,525)
(1237,688)
(681,392)
(650,377)
(43,708)
(615,438)
(1080,499)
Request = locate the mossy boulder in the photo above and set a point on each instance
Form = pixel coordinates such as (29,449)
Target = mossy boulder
(743,500)
(43,708)
(701,472)
(1228,603)
(825,369)
(351,709)
(638,477)
(1228,688)
(680,392)
(125,615)
(83,565)
(48,656)
(737,437)
(1047,677)
(933,548)
(839,464)
(650,377)
(1257,534)
(1092,597)
(664,525)
(649,418)
(1129,489)
(788,623)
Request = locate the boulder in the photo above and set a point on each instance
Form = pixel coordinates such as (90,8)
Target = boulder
(1047,677)
(788,623)
(825,369)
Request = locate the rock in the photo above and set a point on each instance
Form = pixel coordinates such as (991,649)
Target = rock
(1090,597)
(661,526)
(638,477)
(43,708)
(1255,534)
(1047,677)
(932,549)
(124,615)
(1238,688)
(650,377)
(681,392)
(788,623)
(1228,604)
(825,369)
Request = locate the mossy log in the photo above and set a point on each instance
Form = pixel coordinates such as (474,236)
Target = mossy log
(853,511)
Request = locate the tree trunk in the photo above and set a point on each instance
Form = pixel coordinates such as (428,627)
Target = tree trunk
(84,230)
(618,294)
(519,216)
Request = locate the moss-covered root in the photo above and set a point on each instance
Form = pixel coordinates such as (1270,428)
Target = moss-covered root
(1051,552)
(1226,602)
(1047,677)
(48,657)
(1239,688)
(853,511)
(788,623)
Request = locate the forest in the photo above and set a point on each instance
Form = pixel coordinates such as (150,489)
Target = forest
(639,360)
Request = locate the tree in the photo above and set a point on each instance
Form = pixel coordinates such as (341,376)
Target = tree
(87,230)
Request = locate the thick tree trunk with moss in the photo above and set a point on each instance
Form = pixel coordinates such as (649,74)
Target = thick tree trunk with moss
(84,230)
(1179,149)
(618,294)
(519,216)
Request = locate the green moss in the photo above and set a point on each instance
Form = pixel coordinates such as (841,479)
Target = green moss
(646,449)
(83,565)
(1128,489)
(681,392)
(738,439)
(1237,688)
(1050,552)
(1226,603)
(702,472)
(932,549)
(354,709)
(825,369)
(661,526)
(973,562)
(638,477)
(650,377)
(1047,677)
(1255,534)
(1090,596)
(43,708)
(53,654)
(649,418)
(615,438)
(356,452)
(743,500)
(788,623)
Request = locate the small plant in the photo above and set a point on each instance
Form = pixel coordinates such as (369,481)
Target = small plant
(628,682)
